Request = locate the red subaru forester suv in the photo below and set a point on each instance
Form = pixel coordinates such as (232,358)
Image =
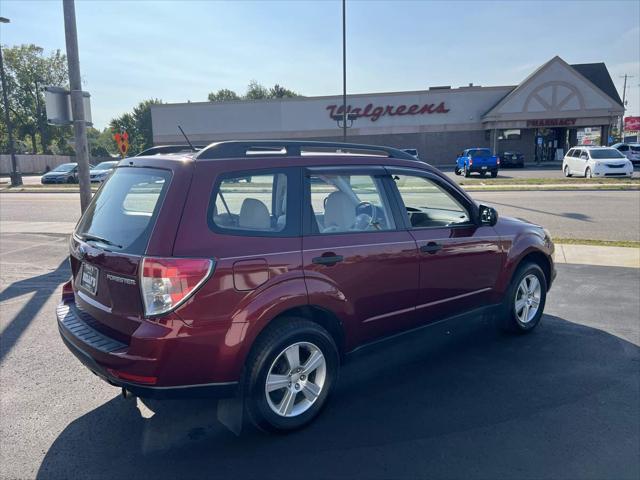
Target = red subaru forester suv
(250,269)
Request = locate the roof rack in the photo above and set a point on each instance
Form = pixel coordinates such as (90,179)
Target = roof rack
(162,149)
(292,148)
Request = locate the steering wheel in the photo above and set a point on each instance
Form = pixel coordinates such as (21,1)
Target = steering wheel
(372,220)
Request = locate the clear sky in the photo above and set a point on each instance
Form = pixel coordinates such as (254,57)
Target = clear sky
(182,50)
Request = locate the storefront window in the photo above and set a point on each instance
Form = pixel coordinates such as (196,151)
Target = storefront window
(511,134)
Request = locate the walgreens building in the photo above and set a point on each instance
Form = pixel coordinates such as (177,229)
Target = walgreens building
(556,107)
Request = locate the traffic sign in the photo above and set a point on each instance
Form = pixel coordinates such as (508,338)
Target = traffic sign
(122,139)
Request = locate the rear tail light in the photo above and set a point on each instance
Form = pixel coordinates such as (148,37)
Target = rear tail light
(167,283)
(497,160)
(67,291)
(471,161)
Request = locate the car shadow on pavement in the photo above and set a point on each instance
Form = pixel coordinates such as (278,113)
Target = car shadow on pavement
(42,287)
(458,400)
(574,215)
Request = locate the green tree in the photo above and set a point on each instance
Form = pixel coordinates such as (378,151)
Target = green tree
(29,70)
(256,91)
(223,95)
(280,92)
(138,125)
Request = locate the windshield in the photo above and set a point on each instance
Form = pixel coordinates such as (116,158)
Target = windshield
(105,166)
(123,212)
(480,153)
(65,167)
(602,153)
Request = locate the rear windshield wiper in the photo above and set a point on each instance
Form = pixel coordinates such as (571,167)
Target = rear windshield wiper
(89,237)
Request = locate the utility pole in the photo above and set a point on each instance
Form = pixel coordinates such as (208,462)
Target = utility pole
(344,70)
(624,104)
(16,177)
(77,102)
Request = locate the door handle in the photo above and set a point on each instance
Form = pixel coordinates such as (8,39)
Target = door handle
(327,259)
(430,248)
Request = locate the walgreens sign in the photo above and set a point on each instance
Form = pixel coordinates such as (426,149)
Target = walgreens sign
(375,112)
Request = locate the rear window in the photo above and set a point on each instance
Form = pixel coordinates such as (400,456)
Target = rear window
(601,153)
(480,153)
(124,211)
(635,148)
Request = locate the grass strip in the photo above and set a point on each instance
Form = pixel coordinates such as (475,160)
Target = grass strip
(599,243)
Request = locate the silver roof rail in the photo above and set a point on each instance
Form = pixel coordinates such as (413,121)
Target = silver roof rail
(292,148)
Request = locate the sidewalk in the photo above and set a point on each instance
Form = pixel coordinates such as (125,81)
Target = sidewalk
(598,255)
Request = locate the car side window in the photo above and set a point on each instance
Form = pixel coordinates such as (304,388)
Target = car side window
(623,148)
(584,156)
(428,204)
(251,203)
(576,153)
(570,153)
(342,203)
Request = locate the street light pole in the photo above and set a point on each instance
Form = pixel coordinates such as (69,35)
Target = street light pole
(344,70)
(16,177)
(77,102)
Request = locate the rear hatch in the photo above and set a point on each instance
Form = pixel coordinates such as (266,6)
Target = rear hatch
(109,242)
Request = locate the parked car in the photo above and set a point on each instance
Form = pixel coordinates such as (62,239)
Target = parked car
(101,172)
(591,162)
(477,160)
(629,150)
(188,283)
(411,151)
(65,173)
(511,159)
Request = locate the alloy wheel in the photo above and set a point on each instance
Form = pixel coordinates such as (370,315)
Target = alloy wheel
(295,379)
(528,296)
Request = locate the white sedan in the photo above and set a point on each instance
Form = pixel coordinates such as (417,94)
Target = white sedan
(596,162)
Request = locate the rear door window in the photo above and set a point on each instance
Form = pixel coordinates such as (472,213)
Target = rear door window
(124,211)
(251,203)
(343,203)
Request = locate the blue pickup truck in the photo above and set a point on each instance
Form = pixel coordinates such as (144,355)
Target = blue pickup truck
(477,160)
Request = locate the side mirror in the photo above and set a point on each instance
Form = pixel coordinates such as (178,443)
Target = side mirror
(488,215)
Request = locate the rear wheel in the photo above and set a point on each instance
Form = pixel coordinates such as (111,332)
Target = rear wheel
(525,299)
(290,374)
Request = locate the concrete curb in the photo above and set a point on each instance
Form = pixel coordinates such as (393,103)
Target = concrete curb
(598,255)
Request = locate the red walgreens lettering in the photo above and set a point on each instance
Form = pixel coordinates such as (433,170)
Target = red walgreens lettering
(375,112)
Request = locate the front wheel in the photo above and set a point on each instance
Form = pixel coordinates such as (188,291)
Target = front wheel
(587,173)
(290,374)
(457,171)
(526,298)
(567,172)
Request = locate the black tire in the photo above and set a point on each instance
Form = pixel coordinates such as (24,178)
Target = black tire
(509,320)
(269,346)
(457,171)
(466,171)
(494,173)
(567,172)
(587,173)
(482,174)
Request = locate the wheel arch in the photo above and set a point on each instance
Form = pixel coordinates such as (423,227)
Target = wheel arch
(539,258)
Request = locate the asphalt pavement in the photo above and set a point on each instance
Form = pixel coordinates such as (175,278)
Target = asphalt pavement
(456,400)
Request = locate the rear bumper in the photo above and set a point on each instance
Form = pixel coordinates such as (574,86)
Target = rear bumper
(105,356)
(483,168)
